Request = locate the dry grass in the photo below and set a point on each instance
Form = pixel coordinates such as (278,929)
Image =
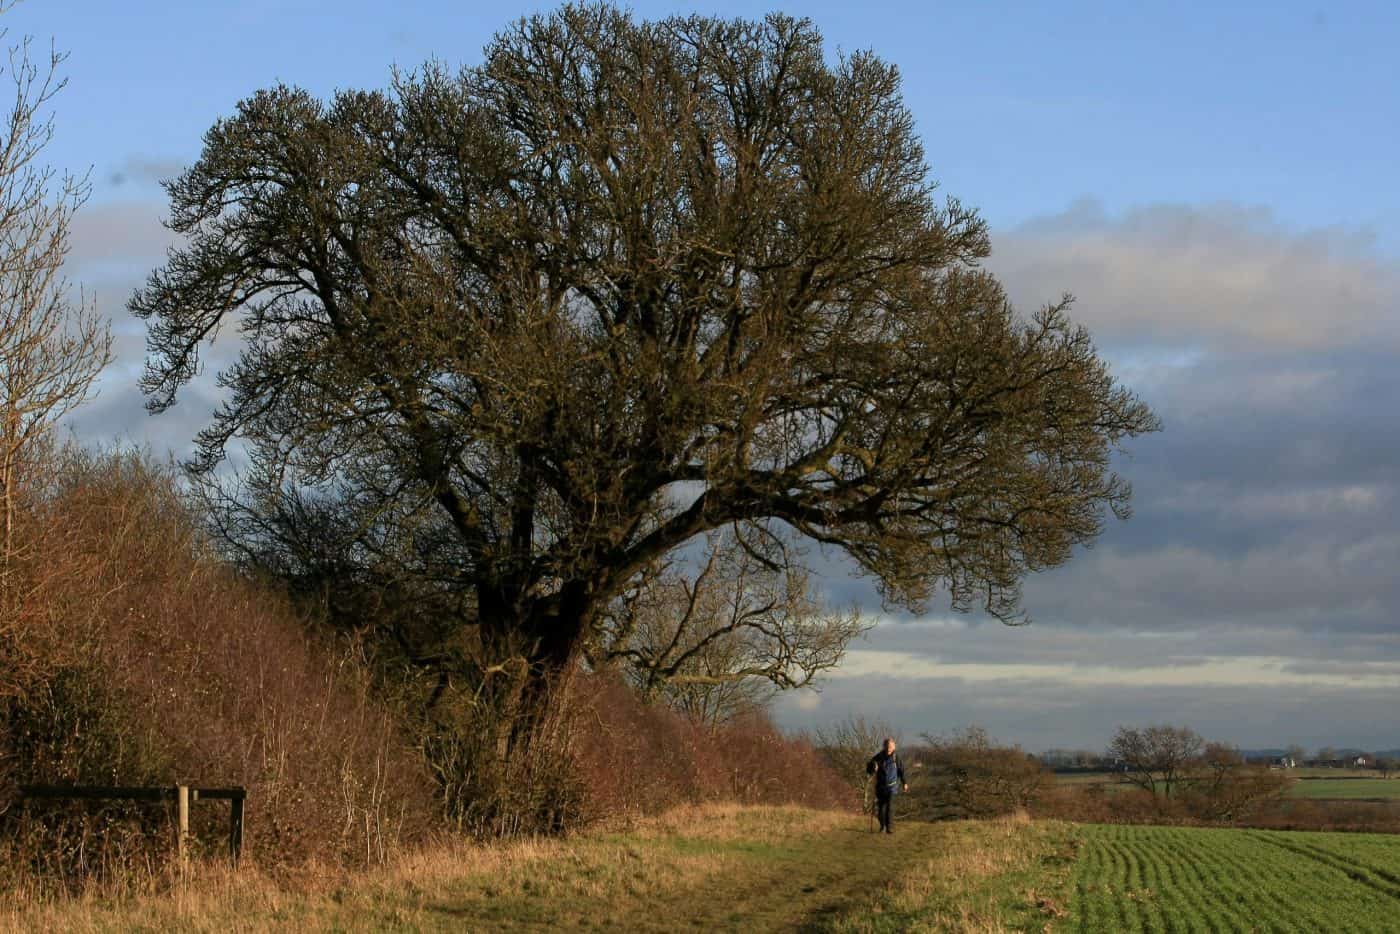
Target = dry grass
(733,821)
(1009,873)
(214,897)
(715,865)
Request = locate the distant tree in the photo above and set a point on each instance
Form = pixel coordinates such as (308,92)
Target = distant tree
(1328,754)
(970,774)
(519,332)
(848,746)
(1296,753)
(1387,765)
(1059,758)
(52,343)
(1222,786)
(1157,758)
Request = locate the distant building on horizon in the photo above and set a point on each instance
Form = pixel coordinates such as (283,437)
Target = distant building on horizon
(1273,762)
(1358,760)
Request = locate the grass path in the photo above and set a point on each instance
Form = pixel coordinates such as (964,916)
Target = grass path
(763,878)
(701,869)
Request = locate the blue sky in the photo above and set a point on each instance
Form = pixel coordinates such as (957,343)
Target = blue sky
(1025,106)
(1215,182)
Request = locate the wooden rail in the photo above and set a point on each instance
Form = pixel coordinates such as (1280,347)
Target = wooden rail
(182,795)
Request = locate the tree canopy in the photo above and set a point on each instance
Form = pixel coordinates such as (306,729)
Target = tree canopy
(514,334)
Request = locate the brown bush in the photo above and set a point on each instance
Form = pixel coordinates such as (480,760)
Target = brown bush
(1095,804)
(142,658)
(146,661)
(1224,788)
(1349,816)
(969,775)
(633,758)
(534,790)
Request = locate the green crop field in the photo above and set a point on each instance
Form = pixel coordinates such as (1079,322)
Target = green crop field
(1342,788)
(1089,778)
(1197,879)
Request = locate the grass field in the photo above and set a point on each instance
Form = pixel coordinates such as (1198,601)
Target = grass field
(1344,788)
(1132,879)
(701,869)
(722,868)
(1323,784)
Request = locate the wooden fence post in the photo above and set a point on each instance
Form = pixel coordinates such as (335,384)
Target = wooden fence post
(182,806)
(235,828)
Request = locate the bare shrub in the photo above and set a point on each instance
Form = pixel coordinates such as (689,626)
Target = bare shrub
(1095,804)
(489,791)
(1223,787)
(51,346)
(848,745)
(719,639)
(969,775)
(1348,816)
(156,664)
(636,758)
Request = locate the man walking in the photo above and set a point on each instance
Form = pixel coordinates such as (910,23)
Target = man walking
(889,779)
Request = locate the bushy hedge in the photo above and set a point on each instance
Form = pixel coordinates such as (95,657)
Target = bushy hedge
(635,759)
(135,655)
(149,662)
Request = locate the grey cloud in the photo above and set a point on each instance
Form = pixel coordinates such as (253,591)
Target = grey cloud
(115,245)
(1267,521)
(117,414)
(123,239)
(1046,714)
(1288,511)
(1221,275)
(1129,648)
(144,170)
(1271,495)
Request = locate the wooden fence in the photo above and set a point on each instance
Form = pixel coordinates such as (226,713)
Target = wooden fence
(183,797)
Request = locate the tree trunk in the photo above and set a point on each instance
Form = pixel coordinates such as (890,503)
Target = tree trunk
(7,502)
(512,773)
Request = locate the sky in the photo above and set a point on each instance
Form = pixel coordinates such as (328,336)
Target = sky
(1214,182)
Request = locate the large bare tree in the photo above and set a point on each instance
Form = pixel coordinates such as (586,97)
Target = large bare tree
(52,343)
(517,333)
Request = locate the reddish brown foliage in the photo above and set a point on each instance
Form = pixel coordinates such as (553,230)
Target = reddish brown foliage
(1358,816)
(1092,804)
(1097,805)
(149,662)
(146,660)
(635,758)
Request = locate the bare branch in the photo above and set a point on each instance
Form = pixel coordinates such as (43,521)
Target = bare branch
(52,343)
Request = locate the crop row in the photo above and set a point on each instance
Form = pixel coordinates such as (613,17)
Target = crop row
(1132,878)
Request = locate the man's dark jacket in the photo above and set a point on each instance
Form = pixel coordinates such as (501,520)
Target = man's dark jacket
(888,772)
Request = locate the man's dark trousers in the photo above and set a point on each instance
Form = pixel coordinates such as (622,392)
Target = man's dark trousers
(882,811)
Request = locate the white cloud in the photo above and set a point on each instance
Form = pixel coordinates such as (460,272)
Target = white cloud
(1220,276)
(1236,671)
